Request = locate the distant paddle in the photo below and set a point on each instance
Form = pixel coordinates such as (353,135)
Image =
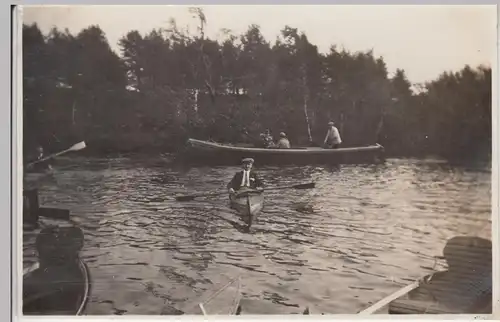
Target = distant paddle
(309,185)
(75,147)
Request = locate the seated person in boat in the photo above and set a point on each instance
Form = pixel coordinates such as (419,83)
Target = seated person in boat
(332,139)
(245,178)
(59,279)
(262,143)
(283,142)
(268,141)
(40,166)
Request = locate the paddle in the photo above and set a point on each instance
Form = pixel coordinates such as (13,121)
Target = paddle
(309,185)
(75,147)
(387,300)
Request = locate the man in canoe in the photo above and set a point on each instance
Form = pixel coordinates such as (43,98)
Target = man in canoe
(245,178)
(283,142)
(332,139)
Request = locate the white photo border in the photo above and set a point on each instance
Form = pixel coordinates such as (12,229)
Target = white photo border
(10,174)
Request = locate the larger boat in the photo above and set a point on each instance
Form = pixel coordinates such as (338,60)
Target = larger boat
(198,151)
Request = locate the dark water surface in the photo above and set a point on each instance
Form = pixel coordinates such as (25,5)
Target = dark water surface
(362,233)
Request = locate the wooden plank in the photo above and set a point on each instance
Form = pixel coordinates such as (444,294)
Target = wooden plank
(54,213)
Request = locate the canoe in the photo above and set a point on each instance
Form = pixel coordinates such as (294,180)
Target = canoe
(224,300)
(228,300)
(204,152)
(464,288)
(248,203)
(59,290)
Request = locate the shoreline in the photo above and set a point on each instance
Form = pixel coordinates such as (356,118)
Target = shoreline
(170,158)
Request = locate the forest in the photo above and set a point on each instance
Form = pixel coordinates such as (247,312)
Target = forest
(171,84)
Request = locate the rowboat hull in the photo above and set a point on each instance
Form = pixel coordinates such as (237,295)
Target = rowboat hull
(421,300)
(248,203)
(60,290)
(204,152)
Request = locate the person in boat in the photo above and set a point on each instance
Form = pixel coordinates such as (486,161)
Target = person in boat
(41,166)
(283,142)
(267,139)
(332,139)
(262,143)
(58,279)
(30,194)
(245,178)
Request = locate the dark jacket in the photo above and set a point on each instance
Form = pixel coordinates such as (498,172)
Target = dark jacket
(235,183)
(37,167)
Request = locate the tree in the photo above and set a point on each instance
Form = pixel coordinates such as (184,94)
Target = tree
(100,68)
(170,83)
(132,50)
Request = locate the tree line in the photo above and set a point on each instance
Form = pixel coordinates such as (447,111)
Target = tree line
(171,84)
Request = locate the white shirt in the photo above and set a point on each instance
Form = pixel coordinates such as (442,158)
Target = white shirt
(245,180)
(334,135)
(283,143)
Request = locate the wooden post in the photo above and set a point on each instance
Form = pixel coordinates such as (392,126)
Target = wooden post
(31,207)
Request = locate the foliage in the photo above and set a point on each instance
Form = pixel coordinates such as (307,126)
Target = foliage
(169,84)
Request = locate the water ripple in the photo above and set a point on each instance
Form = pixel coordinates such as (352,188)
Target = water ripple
(359,235)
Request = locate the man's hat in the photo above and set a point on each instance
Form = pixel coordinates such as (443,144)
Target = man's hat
(331,123)
(247,160)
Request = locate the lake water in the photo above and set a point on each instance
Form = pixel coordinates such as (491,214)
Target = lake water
(360,234)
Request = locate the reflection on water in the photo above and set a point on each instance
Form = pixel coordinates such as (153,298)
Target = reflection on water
(358,236)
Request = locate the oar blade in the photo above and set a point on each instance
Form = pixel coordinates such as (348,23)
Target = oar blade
(309,185)
(78,146)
